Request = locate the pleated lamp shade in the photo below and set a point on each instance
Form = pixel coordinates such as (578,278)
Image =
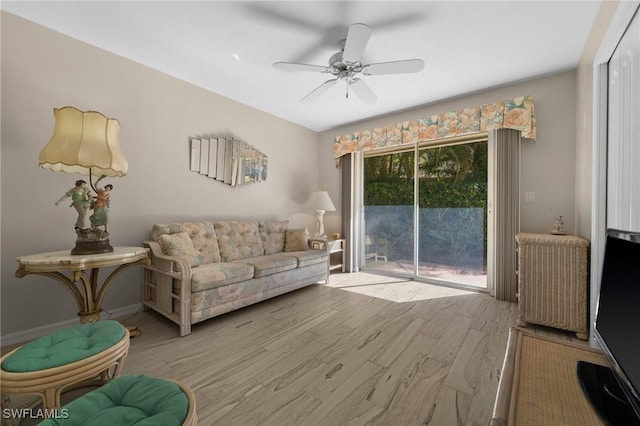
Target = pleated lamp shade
(84,142)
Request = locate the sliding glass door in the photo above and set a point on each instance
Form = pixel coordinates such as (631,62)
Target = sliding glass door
(440,235)
(389,212)
(452,213)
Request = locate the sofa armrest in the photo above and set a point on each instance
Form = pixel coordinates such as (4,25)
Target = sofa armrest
(173,266)
(317,244)
(167,285)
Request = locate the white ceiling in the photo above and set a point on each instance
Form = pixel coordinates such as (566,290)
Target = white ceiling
(229,47)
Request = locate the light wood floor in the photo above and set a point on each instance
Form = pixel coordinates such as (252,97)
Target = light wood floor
(365,349)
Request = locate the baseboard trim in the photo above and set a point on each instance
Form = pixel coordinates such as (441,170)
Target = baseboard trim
(34,333)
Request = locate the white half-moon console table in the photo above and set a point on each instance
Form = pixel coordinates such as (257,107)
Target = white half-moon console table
(82,282)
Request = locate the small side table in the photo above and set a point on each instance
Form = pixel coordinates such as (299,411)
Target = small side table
(83,286)
(336,247)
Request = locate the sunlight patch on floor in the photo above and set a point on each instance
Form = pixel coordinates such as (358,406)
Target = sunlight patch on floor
(392,289)
(459,275)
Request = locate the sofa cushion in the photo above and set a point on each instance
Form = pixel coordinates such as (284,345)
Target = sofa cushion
(206,242)
(273,235)
(215,275)
(296,239)
(267,265)
(307,257)
(179,244)
(202,234)
(238,240)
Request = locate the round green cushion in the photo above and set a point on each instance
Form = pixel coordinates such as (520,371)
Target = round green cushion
(65,346)
(127,400)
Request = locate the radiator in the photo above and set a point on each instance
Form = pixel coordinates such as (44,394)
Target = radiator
(552,281)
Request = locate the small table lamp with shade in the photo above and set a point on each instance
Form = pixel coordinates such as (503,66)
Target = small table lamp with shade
(86,143)
(321,203)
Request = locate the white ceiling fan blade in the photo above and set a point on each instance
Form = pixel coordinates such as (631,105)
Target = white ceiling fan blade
(363,91)
(292,66)
(357,38)
(315,93)
(394,67)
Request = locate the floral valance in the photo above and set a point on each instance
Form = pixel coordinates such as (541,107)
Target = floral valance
(517,113)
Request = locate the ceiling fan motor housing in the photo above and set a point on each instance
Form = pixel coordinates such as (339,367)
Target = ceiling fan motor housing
(337,66)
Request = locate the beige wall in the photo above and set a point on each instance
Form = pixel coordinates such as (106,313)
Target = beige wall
(548,165)
(41,70)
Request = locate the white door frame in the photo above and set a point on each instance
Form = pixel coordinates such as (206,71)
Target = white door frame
(619,23)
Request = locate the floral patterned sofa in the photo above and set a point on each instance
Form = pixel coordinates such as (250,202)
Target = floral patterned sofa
(199,270)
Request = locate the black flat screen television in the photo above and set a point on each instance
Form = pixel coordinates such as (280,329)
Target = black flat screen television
(614,391)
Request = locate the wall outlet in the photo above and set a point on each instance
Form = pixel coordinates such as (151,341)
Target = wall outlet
(529,197)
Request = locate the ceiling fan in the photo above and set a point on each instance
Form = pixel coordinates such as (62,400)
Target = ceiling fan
(347,64)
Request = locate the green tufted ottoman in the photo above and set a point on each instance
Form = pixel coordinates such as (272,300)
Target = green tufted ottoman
(87,354)
(129,400)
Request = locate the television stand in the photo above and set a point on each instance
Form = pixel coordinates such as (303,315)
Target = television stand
(605,394)
(539,385)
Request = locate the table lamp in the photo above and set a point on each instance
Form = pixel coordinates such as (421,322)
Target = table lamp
(320,202)
(86,143)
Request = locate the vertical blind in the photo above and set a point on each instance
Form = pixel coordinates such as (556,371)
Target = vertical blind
(505,212)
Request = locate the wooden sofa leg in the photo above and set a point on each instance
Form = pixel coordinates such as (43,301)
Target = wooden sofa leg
(185,329)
